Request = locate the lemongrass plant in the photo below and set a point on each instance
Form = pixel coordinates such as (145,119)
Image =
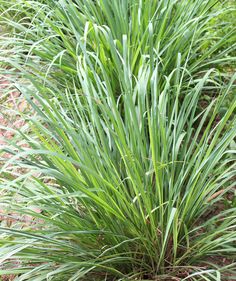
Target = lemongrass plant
(120,169)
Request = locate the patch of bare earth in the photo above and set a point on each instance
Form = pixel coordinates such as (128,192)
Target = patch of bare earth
(11,105)
(11,102)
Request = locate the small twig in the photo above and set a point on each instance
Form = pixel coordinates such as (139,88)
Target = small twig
(213,196)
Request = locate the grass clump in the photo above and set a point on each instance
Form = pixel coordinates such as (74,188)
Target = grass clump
(121,161)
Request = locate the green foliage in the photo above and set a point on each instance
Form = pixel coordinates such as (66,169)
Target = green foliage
(123,167)
(223,24)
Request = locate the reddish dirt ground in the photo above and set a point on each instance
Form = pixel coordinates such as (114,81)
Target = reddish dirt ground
(10,102)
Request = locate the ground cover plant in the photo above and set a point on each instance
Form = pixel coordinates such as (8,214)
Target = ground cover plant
(125,165)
